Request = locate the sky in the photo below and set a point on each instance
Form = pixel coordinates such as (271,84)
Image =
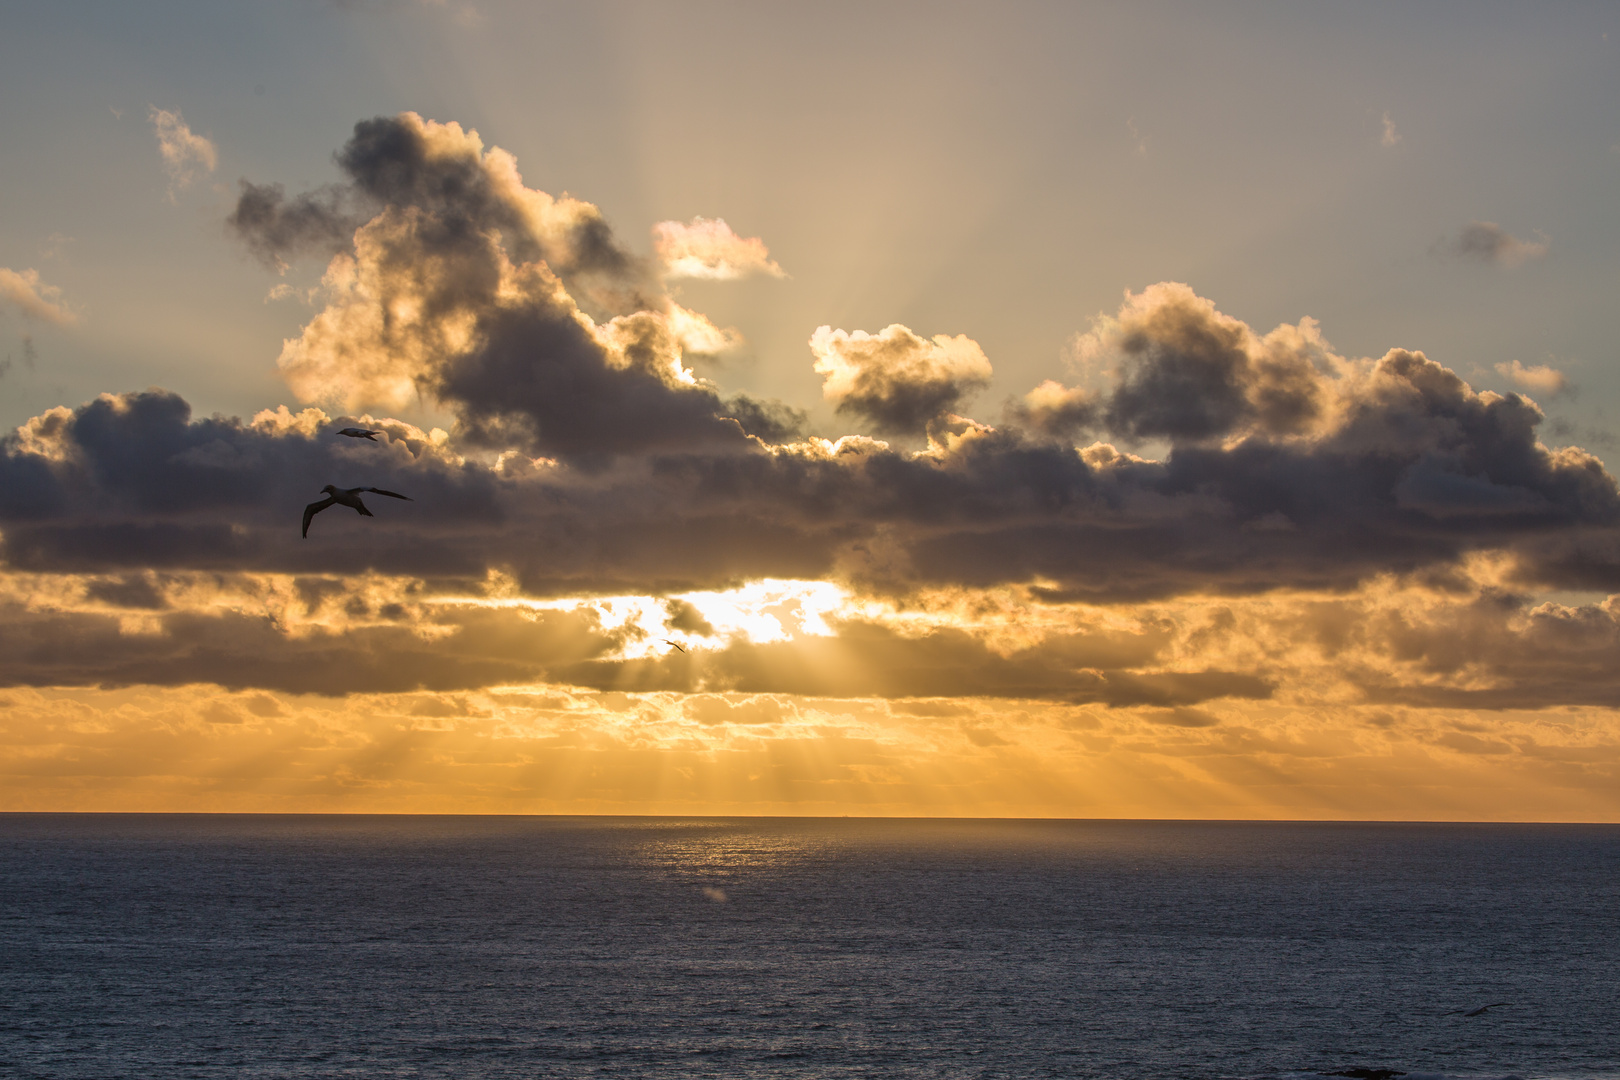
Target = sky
(1074,410)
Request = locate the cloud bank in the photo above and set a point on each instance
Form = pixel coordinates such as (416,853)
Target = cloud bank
(1224,518)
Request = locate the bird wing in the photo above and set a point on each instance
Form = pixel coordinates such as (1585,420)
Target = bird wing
(390,494)
(677,644)
(314,508)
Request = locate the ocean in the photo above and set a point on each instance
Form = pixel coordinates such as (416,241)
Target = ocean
(156,946)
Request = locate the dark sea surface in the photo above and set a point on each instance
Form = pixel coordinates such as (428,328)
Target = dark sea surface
(268,946)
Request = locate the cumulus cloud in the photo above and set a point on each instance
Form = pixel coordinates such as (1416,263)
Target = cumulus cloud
(1188,373)
(1055,410)
(463,285)
(186,155)
(707,248)
(1540,379)
(895,379)
(23,290)
(1488,242)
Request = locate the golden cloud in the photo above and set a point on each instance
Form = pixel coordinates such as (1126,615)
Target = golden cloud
(707,248)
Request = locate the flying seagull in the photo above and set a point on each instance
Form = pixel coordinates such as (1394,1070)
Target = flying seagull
(677,644)
(1478,1011)
(336,496)
(361,433)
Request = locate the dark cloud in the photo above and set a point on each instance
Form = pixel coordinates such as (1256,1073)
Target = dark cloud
(473,647)
(1055,411)
(1491,651)
(1495,651)
(138,591)
(1189,373)
(1418,470)
(240,651)
(443,175)
(1488,242)
(541,380)
(278,230)
(866,660)
(683,615)
(465,285)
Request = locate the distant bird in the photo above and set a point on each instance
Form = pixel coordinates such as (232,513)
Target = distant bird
(336,496)
(361,433)
(1478,1011)
(677,644)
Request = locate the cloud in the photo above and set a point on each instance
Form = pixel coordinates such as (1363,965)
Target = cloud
(1406,468)
(1488,242)
(186,155)
(240,651)
(275,229)
(1541,379)
(1396,464)
(708,249)
(1139,140)
(334,637)
(1390,136)
(1416,641)
(465,286)
(1187,373)
(1233,552)
(1055,410)
(685,617)
(586,457)
(35,299)
(896,380)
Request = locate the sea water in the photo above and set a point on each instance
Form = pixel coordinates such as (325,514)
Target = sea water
(289,946)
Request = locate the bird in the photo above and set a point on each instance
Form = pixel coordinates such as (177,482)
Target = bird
(361,433)
(677,644)
(336,496)
(1478,1011)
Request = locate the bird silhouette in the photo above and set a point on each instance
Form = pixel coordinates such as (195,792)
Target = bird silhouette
(337,496)
(677,644)
(361,433)
(1477,1012)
